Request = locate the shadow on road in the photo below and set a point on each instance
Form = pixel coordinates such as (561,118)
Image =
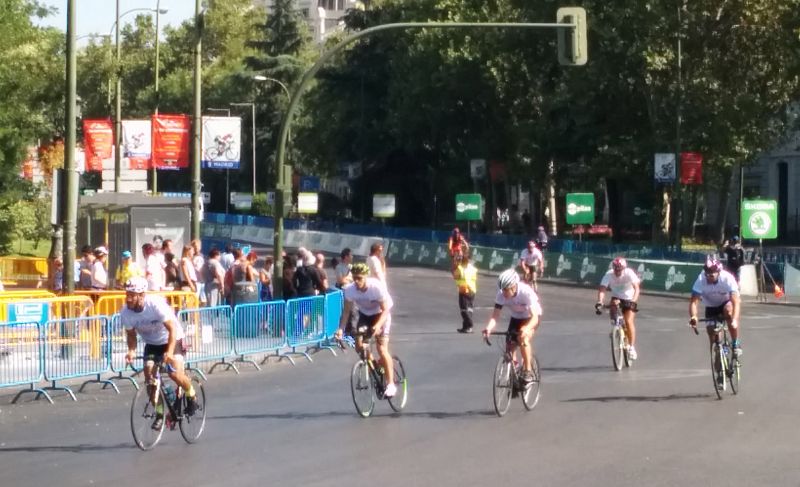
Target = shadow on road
(83,448)
(352,414)
(671,397)
(582,368)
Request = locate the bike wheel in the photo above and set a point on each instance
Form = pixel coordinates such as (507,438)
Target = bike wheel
(502,386)
(212,153)
(733,375)
(398,401)
(626,351)
(717,370)
(530,396)
(143,415)
(617,348)
(192,426)
(362,388)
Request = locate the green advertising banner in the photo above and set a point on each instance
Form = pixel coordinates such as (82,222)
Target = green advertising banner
(468,206)
(759,219)
(580,208)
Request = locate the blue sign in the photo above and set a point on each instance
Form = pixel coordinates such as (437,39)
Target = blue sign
(35,312)
(309,184)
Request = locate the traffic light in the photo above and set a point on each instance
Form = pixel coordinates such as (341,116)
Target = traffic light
(572,46)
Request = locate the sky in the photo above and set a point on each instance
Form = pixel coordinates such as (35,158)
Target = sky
(97,16)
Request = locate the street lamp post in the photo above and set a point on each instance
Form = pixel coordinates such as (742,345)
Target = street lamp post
(69,200)
(259,77)
(253,125)
(118,88)
(197,96)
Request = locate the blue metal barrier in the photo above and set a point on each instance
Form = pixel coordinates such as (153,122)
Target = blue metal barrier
(118,348)
(305,323)
(76,347)
(208,335)
(21,357)
(334,303)
(259,328)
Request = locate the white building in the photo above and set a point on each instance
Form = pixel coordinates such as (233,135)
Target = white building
(323,16)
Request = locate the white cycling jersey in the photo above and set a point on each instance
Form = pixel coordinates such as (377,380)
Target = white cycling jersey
(622,286)
(149,323)
(718,293)
(522,304)
(369,301)
(531,258)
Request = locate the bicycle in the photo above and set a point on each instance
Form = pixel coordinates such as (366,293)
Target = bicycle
(620,349)
(148,404)
(367,381)
(725,366)
(508,383)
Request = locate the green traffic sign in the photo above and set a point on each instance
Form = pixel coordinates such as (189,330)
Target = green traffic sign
(759,219)
(580,208)
(468,206)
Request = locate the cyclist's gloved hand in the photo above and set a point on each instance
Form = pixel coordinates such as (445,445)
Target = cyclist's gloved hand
(338,334)
(693,321)
(598,308)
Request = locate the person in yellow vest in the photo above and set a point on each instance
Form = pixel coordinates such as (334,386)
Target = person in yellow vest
(466,276)
(127,269)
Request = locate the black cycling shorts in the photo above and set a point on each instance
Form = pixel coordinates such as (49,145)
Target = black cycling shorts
(514,325)
(157,351)
(627,304)
(716,311)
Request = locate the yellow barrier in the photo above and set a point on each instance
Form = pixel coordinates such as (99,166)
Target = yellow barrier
(26,293)
(110,302)
(30,269)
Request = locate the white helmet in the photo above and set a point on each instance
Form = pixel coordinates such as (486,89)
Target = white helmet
(136,285)
(507,279)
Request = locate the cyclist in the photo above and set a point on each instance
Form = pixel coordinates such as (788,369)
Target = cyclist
(374,306)
(152,317)
(531,261)
(525,316)
(719,292)
(623,283)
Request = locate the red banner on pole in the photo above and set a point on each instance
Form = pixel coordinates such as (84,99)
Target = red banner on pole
(171,135)
(98,143)
(497,171)
(691,168)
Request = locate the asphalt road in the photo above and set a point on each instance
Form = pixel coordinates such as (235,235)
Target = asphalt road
(658,424)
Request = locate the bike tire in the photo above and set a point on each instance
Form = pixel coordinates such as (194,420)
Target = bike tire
(502,386)
(733,373)
(212,153)
(231,154)
(192,426)
(626,351)
(617,348)
(531,394)
(143,415)
(716,357)
(362,389)
(398,401)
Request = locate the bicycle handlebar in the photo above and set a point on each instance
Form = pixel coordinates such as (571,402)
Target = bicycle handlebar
(501,333)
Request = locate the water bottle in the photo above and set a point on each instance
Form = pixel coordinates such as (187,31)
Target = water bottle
(170,393)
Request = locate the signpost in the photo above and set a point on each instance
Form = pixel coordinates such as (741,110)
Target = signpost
(760,221)
(580,209)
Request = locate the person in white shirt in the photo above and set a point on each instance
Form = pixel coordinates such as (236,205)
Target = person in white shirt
(526,315)
(153,270)
(199,264)
(719,292)
(374,312)
(99,271)
(377,266)
(152,318)
(623,282)
(531,261)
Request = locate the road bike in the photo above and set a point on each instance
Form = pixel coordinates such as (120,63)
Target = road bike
(508,383)
(367,380)
(149,405)
(620,348)
(725,366)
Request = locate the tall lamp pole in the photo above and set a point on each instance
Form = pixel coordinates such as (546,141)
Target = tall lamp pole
(70,197)
(259,77)
(253,125)
(199,12)
(155,84)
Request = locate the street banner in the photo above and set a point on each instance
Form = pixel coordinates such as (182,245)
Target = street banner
(759,219)
(171,136)
(98,142)
(477,168)
(383,205)
(580,209)
(664,169)
(137,143)
(497,171)
(222,140)
(691,168)
(469,206)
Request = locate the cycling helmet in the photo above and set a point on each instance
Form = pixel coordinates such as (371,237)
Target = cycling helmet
(360,269)
(507,279)
(712,265)
(619,263)
(136,285)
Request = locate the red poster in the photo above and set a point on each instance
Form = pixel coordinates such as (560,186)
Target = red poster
(98,142)
(497,171)
(171,135)
(691,168)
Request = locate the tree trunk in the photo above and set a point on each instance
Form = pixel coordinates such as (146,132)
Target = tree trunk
(724,202)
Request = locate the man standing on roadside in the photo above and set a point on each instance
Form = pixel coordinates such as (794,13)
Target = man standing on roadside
(466,276)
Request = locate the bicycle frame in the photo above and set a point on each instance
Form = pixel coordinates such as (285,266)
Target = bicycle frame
(160,368)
